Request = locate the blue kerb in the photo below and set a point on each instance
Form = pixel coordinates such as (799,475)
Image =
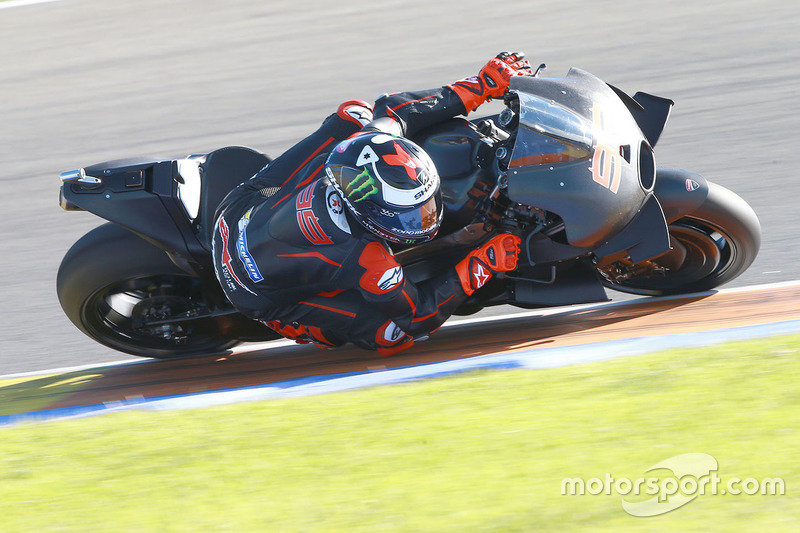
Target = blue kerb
(289,384)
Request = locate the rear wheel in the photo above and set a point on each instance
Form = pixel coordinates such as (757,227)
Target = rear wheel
(128,295)
(711,246)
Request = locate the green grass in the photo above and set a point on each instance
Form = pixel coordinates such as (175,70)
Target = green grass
(479,451)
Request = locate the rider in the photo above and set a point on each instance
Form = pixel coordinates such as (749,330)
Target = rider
(302,245)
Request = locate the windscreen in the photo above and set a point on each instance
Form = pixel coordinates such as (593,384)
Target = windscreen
(549,133)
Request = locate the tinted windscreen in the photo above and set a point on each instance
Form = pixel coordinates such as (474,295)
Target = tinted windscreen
(549,133)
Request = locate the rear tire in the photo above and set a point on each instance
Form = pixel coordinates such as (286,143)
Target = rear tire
(721,239)
(113,284)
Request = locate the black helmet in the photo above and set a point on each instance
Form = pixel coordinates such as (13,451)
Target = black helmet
(389,184)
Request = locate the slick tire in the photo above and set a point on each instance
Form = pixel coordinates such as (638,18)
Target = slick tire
(720,240)
(123,292)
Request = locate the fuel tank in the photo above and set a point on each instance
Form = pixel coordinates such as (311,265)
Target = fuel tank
(453,146)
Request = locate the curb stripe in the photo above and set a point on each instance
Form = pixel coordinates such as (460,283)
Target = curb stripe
(536,358)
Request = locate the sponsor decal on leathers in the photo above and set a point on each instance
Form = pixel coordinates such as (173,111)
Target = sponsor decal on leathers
(391,278)
(228,274)
(244,252)
(336,209)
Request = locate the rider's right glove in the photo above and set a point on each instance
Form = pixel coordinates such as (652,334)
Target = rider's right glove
(499,254)
(493,80)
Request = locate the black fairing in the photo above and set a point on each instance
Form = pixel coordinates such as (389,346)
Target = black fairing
(604,136)
(141,196)
(650,112)
(572,283)
(137,195)
(640,238)
(680,192)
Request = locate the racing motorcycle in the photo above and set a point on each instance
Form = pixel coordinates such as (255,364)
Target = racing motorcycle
(568,165)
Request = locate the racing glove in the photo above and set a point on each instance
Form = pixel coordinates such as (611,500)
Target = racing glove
(493,80)
(499,254)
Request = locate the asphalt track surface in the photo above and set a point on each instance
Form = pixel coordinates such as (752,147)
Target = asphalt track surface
(85,81)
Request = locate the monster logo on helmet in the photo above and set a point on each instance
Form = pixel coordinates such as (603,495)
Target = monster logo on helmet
(361,187)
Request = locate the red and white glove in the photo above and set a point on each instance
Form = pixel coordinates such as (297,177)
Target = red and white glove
(499,254)
(493,80)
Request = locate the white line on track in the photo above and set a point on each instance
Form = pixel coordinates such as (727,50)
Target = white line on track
(21,3)
(453,323)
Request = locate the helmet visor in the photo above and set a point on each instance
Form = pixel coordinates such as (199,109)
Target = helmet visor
(418,223)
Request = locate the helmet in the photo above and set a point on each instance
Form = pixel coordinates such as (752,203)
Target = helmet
(389,184)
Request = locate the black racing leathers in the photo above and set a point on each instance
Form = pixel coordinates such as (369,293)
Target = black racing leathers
(287,252)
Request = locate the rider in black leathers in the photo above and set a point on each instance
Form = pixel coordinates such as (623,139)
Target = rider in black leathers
(302,246)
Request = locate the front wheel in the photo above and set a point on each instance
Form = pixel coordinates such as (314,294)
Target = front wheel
(127,294)
(710,246)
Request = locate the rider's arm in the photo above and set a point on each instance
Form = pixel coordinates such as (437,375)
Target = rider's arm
(409,112)
(415,308)
(422,307)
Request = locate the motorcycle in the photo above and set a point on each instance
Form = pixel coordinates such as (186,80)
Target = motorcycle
(568,165)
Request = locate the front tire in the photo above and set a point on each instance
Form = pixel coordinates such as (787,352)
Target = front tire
(127,294)
(712,245)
